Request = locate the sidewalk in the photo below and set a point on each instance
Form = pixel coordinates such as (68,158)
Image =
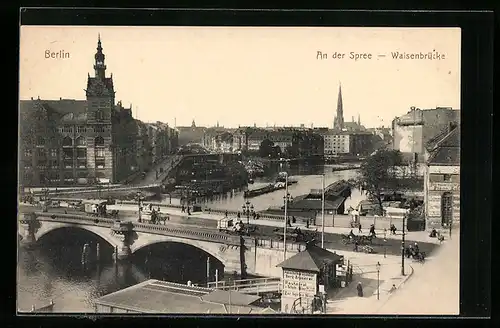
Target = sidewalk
(347,301)
(435,287)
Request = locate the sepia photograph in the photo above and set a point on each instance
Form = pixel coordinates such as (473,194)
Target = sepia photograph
(239,170)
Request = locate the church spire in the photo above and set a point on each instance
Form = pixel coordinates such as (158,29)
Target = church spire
(359,120)
(339,119)
(99,67)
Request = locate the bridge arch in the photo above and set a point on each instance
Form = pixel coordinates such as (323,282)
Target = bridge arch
(213,249)
(102,232)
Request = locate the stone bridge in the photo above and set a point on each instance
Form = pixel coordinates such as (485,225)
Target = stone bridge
(237,254)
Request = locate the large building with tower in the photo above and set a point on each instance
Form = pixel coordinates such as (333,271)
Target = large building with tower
(69,141)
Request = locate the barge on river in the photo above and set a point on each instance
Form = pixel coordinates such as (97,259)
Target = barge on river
(266,189)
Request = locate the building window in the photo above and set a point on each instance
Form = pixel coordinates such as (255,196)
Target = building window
(99,152)
(99,115)
(40,152)
(81,153)
(81,142)
(99,141)
(28,153)
(81,129)
(42,165)
(54,164)
(27,164)
(99,129)
(67,129)
(100,163)
(68,153)
(53,152)
(81,163)
(40,141)
(68,176)
(94,104)
(447,178)
(67,142)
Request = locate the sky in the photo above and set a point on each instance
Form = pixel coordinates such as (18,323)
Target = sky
(240,76)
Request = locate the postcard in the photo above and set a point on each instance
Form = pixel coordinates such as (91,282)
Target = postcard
(239,170)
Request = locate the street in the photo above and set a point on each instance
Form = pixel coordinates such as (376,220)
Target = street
(266,228)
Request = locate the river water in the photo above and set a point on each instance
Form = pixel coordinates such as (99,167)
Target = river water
(52,270)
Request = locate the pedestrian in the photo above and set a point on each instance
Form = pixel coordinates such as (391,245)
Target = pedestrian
(393,288)
(183,209)
(226,214)
(360,289)
(293,219)
(359,227)
(356,244)
(150,206)
(307,224)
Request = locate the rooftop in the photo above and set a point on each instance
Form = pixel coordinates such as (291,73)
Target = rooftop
(310,259)
(154,296)
(446,151)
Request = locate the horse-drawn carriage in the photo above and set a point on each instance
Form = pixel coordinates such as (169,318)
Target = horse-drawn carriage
(361,239)
(296,235)
(229,226)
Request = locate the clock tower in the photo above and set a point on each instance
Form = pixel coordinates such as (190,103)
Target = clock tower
(100,107)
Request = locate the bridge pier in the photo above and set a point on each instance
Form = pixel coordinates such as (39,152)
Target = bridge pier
(28,226)
(122,231)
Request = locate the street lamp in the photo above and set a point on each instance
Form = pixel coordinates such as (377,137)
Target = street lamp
(286,198)
(378,280)
(247,208)
(403,246)
(139,199)
(385,243)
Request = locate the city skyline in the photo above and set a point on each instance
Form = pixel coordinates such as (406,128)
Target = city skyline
(241,76)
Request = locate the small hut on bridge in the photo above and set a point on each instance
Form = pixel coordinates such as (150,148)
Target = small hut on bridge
(307,277)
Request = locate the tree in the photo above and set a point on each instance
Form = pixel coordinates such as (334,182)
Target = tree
(266,148)
(378,174)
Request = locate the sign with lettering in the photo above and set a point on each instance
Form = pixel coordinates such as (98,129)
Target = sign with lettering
(443,186)
(444,169)
(299,284)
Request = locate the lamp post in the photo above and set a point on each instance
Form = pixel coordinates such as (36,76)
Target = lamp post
(323,211)
(247,208)
(403,247)
(139,199)
(385,243)
(378,280)
(286,197)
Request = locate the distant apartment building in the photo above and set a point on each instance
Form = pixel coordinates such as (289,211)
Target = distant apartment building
(337,143)
(414,129)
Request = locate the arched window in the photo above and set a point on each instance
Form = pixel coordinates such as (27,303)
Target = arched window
(81,141)
(67,142)
(40,141)
(99,141)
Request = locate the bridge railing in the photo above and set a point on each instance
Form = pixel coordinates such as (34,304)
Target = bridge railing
(278,244)
(72,218)
(103,188)
(185,233)
(249,286)
(241,283)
